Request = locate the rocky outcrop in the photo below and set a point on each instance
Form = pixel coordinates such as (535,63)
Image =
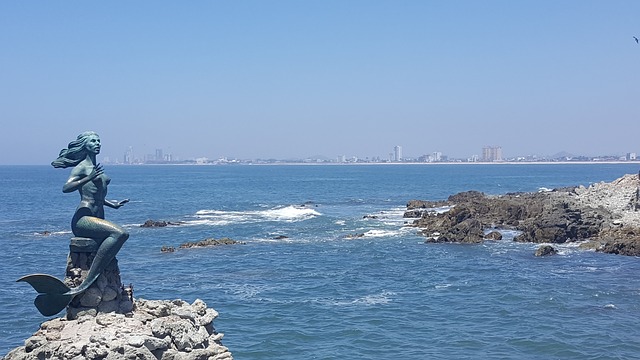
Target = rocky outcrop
(622,241)
(209,242)
(155,329)
(162,223)
(605,213)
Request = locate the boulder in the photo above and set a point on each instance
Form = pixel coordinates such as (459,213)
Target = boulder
(546,250)
(493,235)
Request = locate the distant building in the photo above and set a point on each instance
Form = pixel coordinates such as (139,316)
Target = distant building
(434,157)
(491,153)
(159,156)
(397,153)
(128,156)
(631,156)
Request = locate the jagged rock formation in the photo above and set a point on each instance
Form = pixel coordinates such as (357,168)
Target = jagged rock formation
(155,329)
(607,214)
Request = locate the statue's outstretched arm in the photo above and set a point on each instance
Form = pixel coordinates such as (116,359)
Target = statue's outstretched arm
(115,204)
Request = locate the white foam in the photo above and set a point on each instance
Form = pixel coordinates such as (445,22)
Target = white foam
(52,233)
(382,298)
(289,213)
(381,233)
(375,299)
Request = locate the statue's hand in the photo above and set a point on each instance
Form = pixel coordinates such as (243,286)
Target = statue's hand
(120,203)
(97,171)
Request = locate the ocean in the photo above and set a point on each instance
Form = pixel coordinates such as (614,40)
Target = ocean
(327,268)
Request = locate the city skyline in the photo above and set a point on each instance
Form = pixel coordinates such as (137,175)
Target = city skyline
(491,153)
(296,79)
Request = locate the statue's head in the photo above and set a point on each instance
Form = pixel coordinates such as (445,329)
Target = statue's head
(76,151)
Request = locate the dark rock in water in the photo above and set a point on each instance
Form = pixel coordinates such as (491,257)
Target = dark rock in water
(630,248)
(494,235)
(167,249)
(620,241)
(370,217)
(466,196)
(413,214)
(153,223)
(354,236)
(309,204)
(468,231)
(209,242)
(546,250)
(423,204)
(280,237)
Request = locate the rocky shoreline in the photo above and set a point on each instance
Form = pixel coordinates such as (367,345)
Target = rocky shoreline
(603,216)
(155,329)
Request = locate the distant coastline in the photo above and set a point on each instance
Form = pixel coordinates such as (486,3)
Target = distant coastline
(308,163)
(416,163)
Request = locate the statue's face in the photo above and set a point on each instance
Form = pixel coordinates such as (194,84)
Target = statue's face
(93,144)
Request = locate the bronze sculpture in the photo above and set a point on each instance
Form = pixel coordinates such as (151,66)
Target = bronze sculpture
(88,178)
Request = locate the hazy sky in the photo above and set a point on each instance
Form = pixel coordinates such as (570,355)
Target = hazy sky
(284,79)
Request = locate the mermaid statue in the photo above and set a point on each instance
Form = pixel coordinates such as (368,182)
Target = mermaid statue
(89,179)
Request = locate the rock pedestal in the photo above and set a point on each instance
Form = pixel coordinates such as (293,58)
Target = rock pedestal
(106,294)
(154,330)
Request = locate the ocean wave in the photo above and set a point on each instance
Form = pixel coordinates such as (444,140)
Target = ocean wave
(287,214)
(377,233)
(51,233)
(376,299)
(382,298)
(442,286)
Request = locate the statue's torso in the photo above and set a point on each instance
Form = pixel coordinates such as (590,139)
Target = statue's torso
(93,193)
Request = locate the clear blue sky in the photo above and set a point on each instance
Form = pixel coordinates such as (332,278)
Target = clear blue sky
(287,79)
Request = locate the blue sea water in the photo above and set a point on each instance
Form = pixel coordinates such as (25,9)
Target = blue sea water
(317,294)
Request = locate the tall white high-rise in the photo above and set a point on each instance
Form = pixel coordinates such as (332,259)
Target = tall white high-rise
(492,153)
(397,153)
(128,156)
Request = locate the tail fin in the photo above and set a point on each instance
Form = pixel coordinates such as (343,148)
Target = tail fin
(54,294)
(51,304)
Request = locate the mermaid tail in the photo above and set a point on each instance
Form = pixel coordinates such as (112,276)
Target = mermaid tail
(53,296)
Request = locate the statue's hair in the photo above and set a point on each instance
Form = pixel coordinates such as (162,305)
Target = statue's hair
(74,153)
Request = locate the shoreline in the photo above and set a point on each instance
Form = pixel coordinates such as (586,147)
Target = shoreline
(371,163)
(400,163)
